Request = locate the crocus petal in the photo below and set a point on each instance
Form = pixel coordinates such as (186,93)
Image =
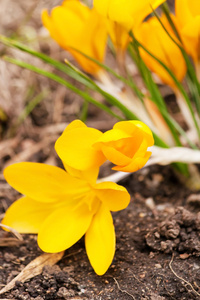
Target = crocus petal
(115,156)
(89,175)
(194,7)
(115,197)
(42,182)
(102,6)
(188,25)
(74,147)
(191,39)
(93,43)
(129,13)
(138,161)
(100,241)
(26,215)
(119,36)
(183,12)
(74,124)
(131,127)
(112,135)
(63,228)
(152,35)
(135,165)
(64,16)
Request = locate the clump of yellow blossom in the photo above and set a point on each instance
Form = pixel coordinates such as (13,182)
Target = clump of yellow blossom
(63,205)
(74,26)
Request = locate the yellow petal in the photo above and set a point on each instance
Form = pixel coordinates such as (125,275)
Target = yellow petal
(115,156)
(49,25)
(93,40)
(119,36)
(63,228)
(89,175)
(100,241)
(26,215)
(42,182)
(135,165)
(191,40)
(75,124)
(115,197)
(131,127)
(74,147)
(128,13)
(183,12)
(188,24)
(138,161)
(112,135)
(65,16)
(155,39)
(115,145)
(194,7)
(102,6)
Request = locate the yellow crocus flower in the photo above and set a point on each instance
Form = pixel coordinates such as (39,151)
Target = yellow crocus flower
(188,16)
(61,209)
(74,26)
(154,38)
(63,206)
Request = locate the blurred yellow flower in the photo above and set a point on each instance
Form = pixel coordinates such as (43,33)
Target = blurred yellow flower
(61,209)
(128,13)
(155,39)
(74,26)
(188,16)
(126,145)
(82,148)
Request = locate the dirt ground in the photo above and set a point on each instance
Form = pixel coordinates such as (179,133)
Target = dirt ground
(158,235)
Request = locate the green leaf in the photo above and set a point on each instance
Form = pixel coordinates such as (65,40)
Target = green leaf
(62,81)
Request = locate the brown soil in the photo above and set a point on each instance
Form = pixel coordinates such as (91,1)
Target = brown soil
(158,235)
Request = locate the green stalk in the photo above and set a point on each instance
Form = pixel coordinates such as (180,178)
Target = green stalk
(84,111)
(30,106)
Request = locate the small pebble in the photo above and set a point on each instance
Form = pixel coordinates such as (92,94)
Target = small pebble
(158,266)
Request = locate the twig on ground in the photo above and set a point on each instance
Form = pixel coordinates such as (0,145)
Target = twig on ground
(17,234)
(187,283)
(123,291)
(71,254)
